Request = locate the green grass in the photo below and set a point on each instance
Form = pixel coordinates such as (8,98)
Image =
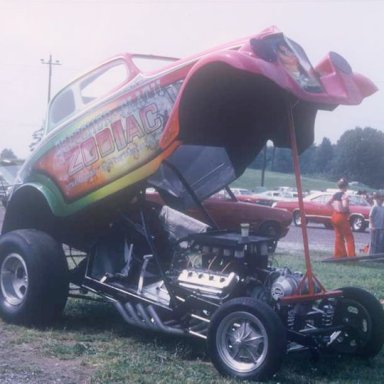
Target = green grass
(251,179)
(94,334)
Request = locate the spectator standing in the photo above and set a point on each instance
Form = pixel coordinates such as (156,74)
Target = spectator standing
(376,224)
(339,202)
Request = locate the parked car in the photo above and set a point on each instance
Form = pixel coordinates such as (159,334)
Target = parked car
(273,196)
(243,194)
(246,195)
(317,211)
(228,212)
(186,129)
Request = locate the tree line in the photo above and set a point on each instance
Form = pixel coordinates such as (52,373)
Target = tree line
(357,155)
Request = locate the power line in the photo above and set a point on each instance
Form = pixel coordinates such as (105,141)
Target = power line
(50,63)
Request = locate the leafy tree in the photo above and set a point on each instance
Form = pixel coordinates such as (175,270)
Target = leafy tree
(359,156)
(7,154)
(282,161)
(258,162)
(308,160)
(324,157)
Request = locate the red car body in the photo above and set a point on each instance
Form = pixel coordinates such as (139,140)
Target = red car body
(227,212)
(243,194)
(317,211)
(273,196)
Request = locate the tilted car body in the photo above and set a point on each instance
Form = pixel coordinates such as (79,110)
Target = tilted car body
(187,130)
(317,211)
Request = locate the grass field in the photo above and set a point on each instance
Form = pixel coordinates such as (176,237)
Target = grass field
(94,334)
(251,179)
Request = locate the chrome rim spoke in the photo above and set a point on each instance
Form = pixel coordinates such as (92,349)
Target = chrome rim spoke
(243,344)
(14,279)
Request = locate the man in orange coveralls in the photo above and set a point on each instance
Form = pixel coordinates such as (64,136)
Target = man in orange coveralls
(344,241)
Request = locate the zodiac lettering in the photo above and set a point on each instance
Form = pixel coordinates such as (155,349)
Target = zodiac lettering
(114,138)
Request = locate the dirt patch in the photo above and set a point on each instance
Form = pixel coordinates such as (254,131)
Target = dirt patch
(25,364)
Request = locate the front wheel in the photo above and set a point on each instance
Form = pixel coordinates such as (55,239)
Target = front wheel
(33,277)
(297,218)
(357,223)
(362,316)
(246,339)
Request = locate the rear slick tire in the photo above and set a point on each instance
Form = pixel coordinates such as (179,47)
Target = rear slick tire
(33,278)
(246,340)
(363,316)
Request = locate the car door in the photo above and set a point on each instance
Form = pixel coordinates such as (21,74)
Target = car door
(318,210)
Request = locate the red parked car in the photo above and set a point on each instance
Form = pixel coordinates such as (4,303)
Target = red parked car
(228,212)
(243,194)
(273,196)
(263,198)
(317,211)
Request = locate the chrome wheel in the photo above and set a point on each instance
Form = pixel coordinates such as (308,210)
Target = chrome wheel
(14,279)
(357,224)
(242,341)
(33,277)
(246,339)
(297,218)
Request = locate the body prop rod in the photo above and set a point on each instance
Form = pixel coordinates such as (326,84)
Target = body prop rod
(296,166)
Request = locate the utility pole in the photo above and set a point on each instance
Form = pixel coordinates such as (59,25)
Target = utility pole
(264,164)
(50,63)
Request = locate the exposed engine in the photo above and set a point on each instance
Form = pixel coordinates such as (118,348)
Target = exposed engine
(286,284)
(215,272)
(209,284)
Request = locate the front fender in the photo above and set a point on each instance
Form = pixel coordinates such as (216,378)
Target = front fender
(29,206)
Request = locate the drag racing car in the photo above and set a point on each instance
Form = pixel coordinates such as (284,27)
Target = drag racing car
(186,130)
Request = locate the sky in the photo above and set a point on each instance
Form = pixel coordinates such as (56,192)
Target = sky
(80,34)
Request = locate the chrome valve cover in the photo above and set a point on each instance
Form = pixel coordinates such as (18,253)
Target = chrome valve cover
(207,283)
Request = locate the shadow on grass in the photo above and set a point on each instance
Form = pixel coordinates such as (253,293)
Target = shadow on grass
(300,368)
(98,319)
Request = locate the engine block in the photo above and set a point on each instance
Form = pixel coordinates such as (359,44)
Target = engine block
(208,283)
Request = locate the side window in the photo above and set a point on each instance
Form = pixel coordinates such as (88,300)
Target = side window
(63,106)
(357,200)
(326,198)
(102,81)
(92,86)
(322,199)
